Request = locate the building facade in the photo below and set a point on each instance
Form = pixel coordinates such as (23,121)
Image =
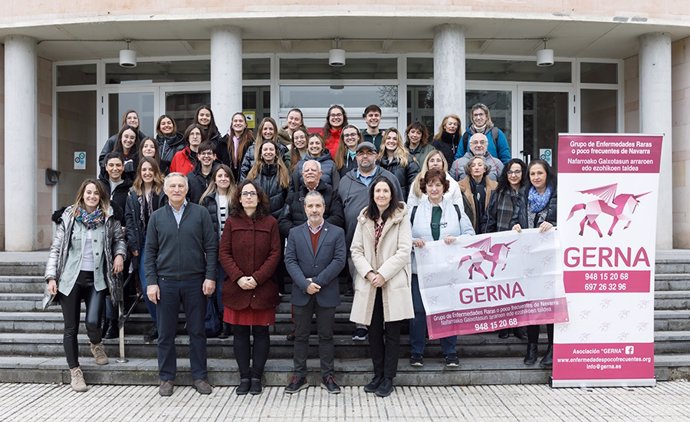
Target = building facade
(620,67)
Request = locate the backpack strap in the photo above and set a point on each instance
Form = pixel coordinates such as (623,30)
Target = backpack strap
(457,210)
(412,214)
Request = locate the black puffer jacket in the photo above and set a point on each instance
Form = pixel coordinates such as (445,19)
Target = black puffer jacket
(211,204)
(135,228)
(168,147)
(293,214)
(248,160)
(198,182)
(448,145)
(405,175)
(268,180)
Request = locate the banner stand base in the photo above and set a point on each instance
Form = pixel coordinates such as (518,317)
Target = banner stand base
(602,383)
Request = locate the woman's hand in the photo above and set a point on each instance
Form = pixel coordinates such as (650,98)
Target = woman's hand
(246,283)
(545,226)
(118,264)
(449,240)
(378,280)
(418,243)
(517,228)
(52,286)
(135,253)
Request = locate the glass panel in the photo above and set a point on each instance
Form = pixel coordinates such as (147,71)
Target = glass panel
(354,69)
(76,132)
(599,73)
(141,102)
(182,105)
(161,71)
(420,68)
(386,96)
(518,71)
(78,74)
(545,115)
(420,106)
(256,69)
(599,111)
(500,105)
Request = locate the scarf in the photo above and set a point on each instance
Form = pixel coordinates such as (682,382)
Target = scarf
(90,220)
(504,209)
(537,201)
(145,208)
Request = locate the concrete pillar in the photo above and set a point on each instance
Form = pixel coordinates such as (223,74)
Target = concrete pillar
(449,72)
(226,74)
(21,106)
(656,118)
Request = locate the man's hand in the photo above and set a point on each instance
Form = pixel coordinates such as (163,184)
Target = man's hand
(208,287)
(313,288)
(154,293)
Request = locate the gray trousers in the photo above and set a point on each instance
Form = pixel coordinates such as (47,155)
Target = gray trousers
(325,319)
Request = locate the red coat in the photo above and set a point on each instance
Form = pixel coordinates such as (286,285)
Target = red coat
(183,161)
(250,248)
(332,140)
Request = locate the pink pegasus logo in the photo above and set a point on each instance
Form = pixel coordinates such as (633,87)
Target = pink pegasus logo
(620,207)
(496,254)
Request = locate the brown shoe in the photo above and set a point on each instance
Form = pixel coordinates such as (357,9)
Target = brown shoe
(77,382)
(202,387)
(98,352)
(166,388)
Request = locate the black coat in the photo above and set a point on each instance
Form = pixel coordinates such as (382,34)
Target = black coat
(118,198)
(405,175)
(198,182)
(448,145)
(268,180)
(135,228)
(168,146)
(520,212)
(293,214)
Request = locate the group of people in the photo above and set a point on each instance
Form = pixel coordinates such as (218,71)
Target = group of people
(205,218)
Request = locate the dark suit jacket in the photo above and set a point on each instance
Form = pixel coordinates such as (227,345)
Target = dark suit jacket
(322,268)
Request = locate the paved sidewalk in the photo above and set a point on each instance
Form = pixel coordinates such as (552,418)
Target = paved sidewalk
(668,401)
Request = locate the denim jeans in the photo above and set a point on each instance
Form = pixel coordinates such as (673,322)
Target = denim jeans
(418,326)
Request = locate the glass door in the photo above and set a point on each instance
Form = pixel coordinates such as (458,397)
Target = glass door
(142,101)
(545,114)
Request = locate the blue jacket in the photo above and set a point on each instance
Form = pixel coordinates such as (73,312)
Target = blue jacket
(503,152)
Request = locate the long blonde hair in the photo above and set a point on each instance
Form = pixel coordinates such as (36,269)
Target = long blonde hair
(416,185)
(283,172)
(103,199)
(212,188)
(138,184)
(401,152)
(259,139)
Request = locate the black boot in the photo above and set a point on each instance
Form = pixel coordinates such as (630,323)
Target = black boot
(113,330)
(547,360)
(531,356)
(226,331)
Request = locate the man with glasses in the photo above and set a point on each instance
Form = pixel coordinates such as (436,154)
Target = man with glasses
(200,177)
(481,123)
(354,194)
(478,148)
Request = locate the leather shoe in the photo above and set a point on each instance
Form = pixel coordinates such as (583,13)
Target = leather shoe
(328,383)
(531,356)
(202,387)
(296,385)
(255,387)
(166,388)
(547,360)
(385,388)
(244,386)
(373,384)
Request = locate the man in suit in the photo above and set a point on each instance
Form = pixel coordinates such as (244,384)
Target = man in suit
(314,257)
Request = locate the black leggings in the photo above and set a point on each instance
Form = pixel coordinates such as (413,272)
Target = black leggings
(71,306)
(243,349)
(533,333)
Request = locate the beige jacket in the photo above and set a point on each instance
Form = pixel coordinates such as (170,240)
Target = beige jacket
(391,260)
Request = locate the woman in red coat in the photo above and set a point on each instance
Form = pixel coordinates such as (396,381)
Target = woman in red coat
(249,252)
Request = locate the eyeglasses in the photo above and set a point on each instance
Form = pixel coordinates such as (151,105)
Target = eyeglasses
(249,193)
(478,143)
(514,172)
(206,154)
(337,115)
(350,135)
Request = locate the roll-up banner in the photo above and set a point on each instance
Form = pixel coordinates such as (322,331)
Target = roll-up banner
(607,206)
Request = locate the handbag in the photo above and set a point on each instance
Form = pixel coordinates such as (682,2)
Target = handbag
(212,322)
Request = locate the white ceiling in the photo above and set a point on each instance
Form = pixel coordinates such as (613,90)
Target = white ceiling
(516,37)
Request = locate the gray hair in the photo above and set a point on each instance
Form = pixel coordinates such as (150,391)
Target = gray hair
(313,193)
(166,181)
(318,164)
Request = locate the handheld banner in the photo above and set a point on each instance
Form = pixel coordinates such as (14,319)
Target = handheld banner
(607,199)
(490,282)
